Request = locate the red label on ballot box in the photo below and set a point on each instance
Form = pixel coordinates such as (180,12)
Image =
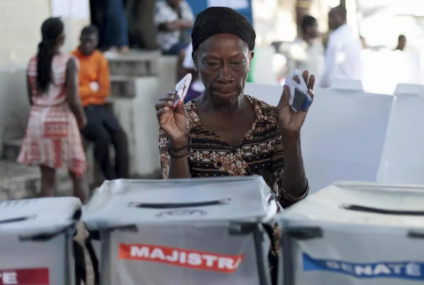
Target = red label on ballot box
(192,259)
(33,276)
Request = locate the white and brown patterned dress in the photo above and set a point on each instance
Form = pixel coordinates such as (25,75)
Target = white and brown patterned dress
(52,137)
(261,152)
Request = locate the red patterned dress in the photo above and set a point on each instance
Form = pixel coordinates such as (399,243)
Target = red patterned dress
(52,137)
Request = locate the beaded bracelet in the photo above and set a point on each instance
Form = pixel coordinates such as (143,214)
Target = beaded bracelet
(170,148)
(177,156)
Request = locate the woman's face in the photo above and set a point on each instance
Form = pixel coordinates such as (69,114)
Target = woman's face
(223,62)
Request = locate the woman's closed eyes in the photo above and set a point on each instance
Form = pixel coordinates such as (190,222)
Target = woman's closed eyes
(212,63)
(237,64)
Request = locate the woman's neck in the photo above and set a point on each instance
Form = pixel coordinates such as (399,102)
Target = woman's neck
(225,107)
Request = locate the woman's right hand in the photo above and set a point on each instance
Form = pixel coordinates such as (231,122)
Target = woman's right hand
(173,120)
(82,122)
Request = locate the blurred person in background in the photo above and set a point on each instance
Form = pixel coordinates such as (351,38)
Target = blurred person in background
(306,52)
(343,55)
(52,138)
(113,24)
(324,38)
(401,43)
(173,19)
(102,127)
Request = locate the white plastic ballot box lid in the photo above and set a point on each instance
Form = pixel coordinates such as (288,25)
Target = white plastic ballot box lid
(134,202)
(362,203)
(38,216)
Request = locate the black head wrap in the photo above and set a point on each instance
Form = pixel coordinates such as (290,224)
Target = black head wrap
(222,20)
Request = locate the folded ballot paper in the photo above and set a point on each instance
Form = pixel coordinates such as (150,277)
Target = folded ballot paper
(299,100)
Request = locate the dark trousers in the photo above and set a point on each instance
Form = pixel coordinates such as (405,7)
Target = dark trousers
(112,22)
(103,129)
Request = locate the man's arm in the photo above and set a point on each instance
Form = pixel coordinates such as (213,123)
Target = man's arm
(166,22)
(330,64)
(104,78)
(175,25)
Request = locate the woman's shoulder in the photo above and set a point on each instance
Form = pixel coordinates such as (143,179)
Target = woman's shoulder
(264,108)
(66,57)
(185,5)
(63,59)
(33,60)
(32,66)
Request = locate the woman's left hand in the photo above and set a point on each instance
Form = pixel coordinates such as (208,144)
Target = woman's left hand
(289,121)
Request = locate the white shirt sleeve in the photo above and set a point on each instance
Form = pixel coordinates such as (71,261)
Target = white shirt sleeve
(187,11)
(188,60)
(330,64)
(163,14)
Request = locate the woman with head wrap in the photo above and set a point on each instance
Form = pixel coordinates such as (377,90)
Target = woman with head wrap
(224,132)
(52,137)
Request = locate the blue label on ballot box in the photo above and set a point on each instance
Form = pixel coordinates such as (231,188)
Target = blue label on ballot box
(409,270)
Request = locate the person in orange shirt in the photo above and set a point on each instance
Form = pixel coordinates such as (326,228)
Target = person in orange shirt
(102,127)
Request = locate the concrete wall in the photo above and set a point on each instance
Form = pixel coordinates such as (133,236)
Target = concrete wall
(73,29)
(14,105)
(20,22)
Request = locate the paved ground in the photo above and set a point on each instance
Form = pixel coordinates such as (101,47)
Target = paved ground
(17,180)
(16,171)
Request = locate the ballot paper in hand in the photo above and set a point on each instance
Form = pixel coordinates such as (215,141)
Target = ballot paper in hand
(300,100)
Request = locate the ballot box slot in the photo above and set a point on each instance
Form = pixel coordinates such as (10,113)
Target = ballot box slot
(179,205)
(373,210)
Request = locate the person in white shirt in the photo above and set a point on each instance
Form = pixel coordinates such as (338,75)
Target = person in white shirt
(196,87)
(343,55)
(306,52)
(173,19)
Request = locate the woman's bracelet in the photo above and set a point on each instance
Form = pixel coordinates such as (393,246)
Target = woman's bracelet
(170,148)
(177,156)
